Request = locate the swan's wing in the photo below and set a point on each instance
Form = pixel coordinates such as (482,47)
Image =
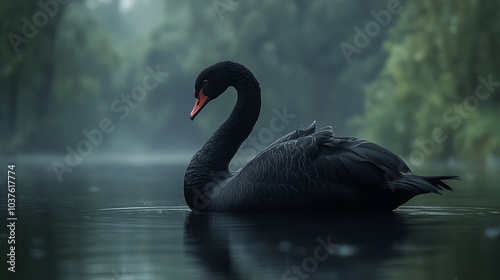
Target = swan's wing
(311,157)
(287,158)
(349,160)
(291,136)
(361,163)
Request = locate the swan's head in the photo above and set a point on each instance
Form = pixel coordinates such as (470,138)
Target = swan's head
(211,83)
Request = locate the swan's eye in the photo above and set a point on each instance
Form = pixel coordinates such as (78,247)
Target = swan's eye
(205,81)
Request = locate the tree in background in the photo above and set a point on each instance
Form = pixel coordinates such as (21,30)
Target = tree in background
(293,48)
(90,53)
(425,102)
(54,79)
(27,71)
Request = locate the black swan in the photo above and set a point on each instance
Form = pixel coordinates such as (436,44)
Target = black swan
(303,171)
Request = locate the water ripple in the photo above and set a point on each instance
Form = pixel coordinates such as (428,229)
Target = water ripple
(446,211)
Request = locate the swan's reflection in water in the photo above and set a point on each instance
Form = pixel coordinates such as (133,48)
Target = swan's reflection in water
(288,246)
(165,242)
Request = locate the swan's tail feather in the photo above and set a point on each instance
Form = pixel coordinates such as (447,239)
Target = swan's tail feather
(421,184)
(437,181)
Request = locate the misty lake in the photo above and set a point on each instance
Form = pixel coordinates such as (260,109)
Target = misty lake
(124,219)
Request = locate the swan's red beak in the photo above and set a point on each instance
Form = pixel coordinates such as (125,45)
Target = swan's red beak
(201,101)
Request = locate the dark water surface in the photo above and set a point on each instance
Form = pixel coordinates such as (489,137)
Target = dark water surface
(127,220)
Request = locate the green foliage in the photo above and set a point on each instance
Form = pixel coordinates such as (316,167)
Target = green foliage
(396,90)
(436,53)
(60,90)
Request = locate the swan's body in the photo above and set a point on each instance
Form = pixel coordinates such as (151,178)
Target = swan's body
(305,170)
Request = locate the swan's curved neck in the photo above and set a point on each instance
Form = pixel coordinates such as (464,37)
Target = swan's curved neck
(209,166)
